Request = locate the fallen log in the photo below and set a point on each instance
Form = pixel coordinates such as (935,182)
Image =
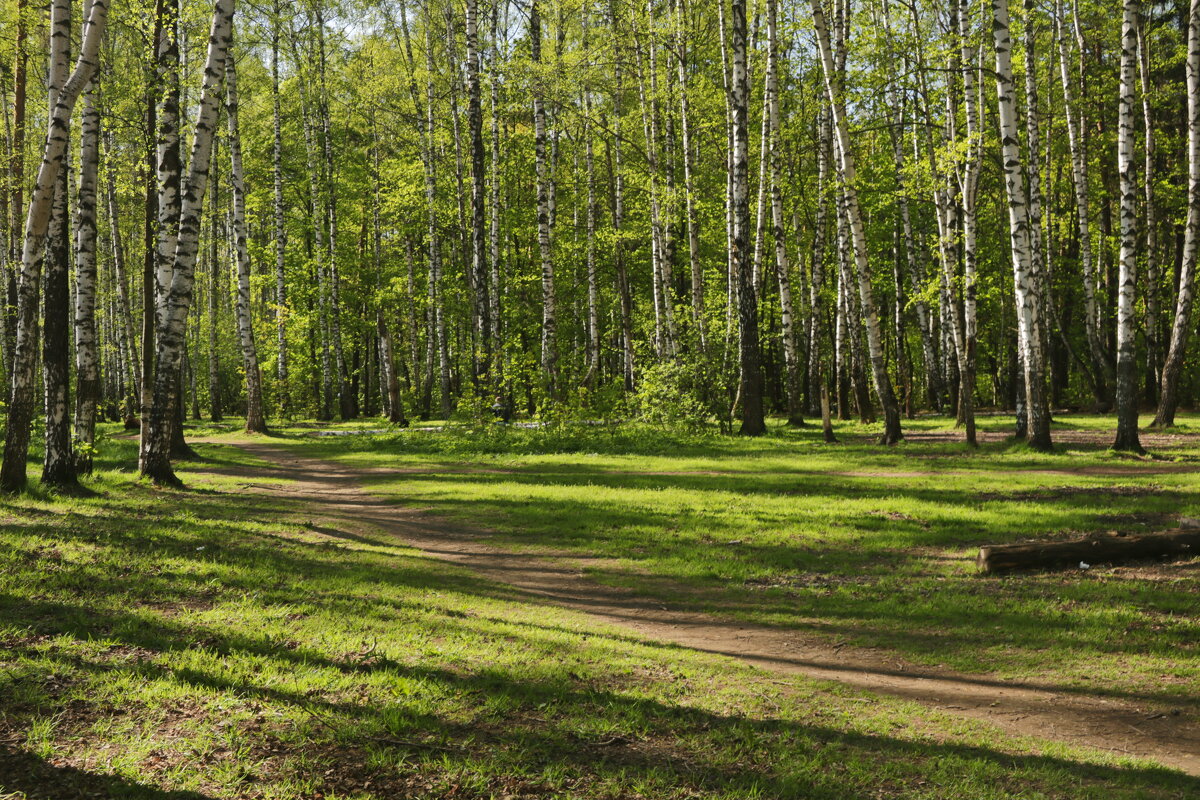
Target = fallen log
(1093,549)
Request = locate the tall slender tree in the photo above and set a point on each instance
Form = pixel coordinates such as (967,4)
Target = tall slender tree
(1127,394)
(156,461)
(255,419)
(1169,392)
(20,408)
(1025,281)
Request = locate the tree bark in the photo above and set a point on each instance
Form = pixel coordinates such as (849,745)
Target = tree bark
(1150,212)
(1086,552)
(549,310)
(255,421)
(157,462)
(1169,393)
(58,461)
(281,302)
(87,363)
(1024,279)
(20,409)
(753,423)
(1127,394)
(215,406)
(120,278)
(883,383)
(968,191)
(347,399)
(479,267)
(699,319)
(791,358)
(1101,364)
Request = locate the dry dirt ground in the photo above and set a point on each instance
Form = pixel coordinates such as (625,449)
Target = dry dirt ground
(333,497)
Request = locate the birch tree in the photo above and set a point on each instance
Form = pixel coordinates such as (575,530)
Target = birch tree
(858,244)
(37,221)
(753,423)
(549,303)
(87,366)
(255,421)
(1126,394)
(58,459)
(1025,281)
(156,461)
(1172,368)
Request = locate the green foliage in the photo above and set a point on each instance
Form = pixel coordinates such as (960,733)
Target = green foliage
(671,395)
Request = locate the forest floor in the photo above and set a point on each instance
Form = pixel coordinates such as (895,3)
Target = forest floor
(614,612)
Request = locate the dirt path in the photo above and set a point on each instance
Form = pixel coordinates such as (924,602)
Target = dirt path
(335,497)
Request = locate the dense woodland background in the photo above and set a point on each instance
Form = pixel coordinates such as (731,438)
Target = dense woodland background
(679,211)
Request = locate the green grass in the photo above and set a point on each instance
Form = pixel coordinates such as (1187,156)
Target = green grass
(209,643)
(869,545)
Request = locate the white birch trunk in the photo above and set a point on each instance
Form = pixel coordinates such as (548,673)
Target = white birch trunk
(1169,391)
(1101,365)
(549,309)
(156,463)
(87,364)
(58,461)
(753,423)
(281,301)
(255,421)
(37,221)
(783,267)
(479,270)
(693,226)
(1024,279)
(1126,394)
(882,381)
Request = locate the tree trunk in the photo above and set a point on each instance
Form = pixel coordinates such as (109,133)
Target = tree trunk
(883,383)
(592,326)
(693,226)
(479,268)
(215,407)
(549,312)
(255,421)
(1087,552)
(347,401)
(968,190)
(496,332)
(1149,150)
(1169,393)
(787,332)
(124,306)
(16,170)
(58,462)
(1127,394)
(281,303)
(625,301)
(1024,279)
(1101,365)
(753,423)
(438,338)
(389,383)
(20,409)
(817,383)
(87,358)
(157,464)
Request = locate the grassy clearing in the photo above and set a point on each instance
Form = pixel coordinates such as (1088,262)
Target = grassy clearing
(210,644)
(855,542)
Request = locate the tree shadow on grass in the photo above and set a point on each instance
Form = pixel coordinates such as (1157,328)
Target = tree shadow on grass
(25,775)
(547,728)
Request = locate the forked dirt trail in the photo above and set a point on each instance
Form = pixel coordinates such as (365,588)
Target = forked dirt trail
(333,494)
